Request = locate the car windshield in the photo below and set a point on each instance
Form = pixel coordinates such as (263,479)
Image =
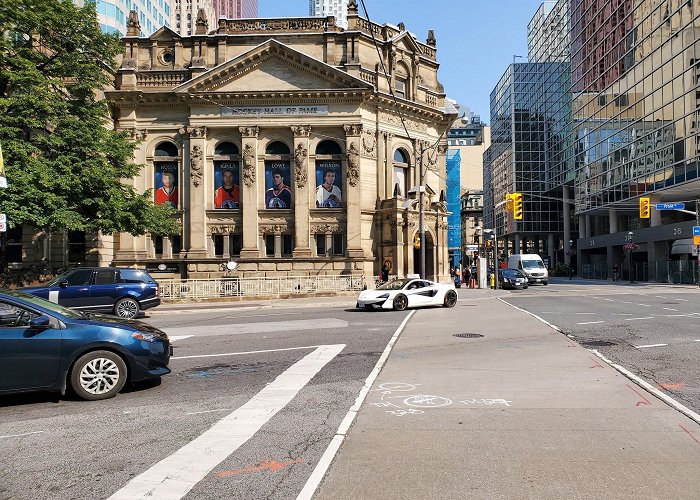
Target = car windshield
(393,285)
(44,303)
(532,264)
(513,273)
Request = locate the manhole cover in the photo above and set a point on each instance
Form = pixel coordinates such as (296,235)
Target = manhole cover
(597,343)
(468,335)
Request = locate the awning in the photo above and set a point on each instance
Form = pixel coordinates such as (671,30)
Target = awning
(684,247)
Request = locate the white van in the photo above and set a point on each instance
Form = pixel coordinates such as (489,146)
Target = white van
(531,265)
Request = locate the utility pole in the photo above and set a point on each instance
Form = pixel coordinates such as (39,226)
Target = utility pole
(697,247)
(420,209)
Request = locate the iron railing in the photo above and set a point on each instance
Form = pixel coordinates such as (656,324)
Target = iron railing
(195,289)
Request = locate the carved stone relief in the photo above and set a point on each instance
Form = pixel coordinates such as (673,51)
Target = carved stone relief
(249,165)
(272,229)
(301,130)
(300,170)
(222,229)
(197,132)
(352,130)
(392,119)
(138,134)
(249,131)
(325,228)
(369,144)
(196,165)
(353,164)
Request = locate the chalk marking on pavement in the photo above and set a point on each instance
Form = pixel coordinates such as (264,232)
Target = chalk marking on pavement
(649,345)
(174,476)
(590,323)
(179,337)
(635,319)
(689,433)
(324,463)
(646,385)
(533,315)
(20,435)
(669,309)
(243,352)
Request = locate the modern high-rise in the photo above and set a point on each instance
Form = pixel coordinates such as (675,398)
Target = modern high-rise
(235,9)
(184,15)
(604,115)
(335,8)
(114,14)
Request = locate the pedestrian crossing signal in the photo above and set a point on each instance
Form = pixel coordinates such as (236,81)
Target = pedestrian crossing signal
(517,205)
(644,208)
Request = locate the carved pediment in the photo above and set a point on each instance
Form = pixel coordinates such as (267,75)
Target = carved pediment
(164,34)
(405,41)
(272,66)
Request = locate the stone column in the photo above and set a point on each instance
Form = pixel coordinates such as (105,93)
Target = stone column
(612,219)
(517,244)
(655,219)
(550,248)
(133,248)
(249,192)
(301,195)
(581,227)
(352,191)
(196,214)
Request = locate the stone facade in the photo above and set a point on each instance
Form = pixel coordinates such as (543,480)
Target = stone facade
(295,97)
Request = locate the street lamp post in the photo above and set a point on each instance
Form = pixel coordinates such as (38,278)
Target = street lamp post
(631,246)
(571,252)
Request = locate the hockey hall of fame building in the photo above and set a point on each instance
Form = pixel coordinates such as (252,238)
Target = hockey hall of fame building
(281,147)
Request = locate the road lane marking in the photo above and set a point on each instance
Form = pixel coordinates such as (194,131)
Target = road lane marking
(683,300)
(650,345)
(660,297)
(7,436)
(622,314)
(174,476)
(627,302)
(590,323)
(644,305)
(646,385)
(208,411)
(670,309)
(585,313)
(609,300)
(178,337)
(635,319)
(243,352)
(262,327)
(325,462)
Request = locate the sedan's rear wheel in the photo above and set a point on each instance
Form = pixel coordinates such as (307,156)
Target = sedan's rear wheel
(450,299)
(98,375)
(126,308)
(400,302)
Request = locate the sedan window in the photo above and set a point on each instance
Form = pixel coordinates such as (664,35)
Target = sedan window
(15,317)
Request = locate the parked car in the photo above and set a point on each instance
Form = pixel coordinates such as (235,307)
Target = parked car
(47,347)
(400,294)
(512,278)
(123,292)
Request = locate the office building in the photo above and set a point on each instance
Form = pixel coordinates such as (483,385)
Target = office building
(335,8)
(112,15)
(184,15)
(235,9)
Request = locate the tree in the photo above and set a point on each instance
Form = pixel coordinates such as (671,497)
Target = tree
(66,169)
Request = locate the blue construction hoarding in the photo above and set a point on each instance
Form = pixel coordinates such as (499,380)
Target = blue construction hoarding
(454,228)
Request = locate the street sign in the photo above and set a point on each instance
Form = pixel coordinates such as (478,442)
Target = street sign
(3,227)
(3,182)
(670,206)
(696,230)
(3,218)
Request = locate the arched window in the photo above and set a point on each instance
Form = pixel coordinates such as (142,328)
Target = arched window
(328,148)
(227,192)
(165,168)
(400,174)
(329,175)
(277,148)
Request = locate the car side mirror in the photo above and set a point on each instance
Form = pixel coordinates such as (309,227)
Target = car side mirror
(63,284)
(40,322)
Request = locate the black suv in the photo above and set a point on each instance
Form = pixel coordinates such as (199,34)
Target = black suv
(121,291)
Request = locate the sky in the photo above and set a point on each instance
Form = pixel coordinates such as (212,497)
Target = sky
(476,39)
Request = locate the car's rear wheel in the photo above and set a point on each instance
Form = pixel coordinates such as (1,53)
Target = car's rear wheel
(126,308)
(400,302)
(98,375)
(450,299)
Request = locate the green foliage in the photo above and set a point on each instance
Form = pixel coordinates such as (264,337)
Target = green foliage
(65,169)
(561,269)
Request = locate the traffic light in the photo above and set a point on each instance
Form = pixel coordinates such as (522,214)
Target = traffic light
(509,202)
(416,241)
(517,205)
(644,208)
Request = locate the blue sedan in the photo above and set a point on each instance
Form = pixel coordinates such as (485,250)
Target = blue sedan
(47,347)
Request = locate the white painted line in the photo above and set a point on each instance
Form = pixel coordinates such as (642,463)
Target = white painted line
(627,302)
(670,309)
(533,315)
(622,314)
(635,319)
(644,305)
(642,383)
(324,463)
(242,353)
(178,337)
(609,300)
(650,345)
(20,435)
(698,340)
(585,313)
(590,323)
(174,476)
(550,312)
(683,300)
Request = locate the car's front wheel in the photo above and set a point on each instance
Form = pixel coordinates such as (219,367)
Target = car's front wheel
(126,308)
(450,299)
(98,375)
(400,302)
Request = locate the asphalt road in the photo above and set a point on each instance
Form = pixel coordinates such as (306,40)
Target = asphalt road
(651,330)
(55,448)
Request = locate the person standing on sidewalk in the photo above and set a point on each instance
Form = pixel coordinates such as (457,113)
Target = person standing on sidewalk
(615,272)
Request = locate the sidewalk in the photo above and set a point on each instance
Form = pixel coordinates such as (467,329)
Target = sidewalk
(522,412)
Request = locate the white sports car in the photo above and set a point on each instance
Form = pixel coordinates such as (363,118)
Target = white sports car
(402,293)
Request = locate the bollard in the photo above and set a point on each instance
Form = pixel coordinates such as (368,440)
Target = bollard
(493,281)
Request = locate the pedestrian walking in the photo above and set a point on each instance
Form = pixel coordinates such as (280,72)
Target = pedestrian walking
(615,272)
